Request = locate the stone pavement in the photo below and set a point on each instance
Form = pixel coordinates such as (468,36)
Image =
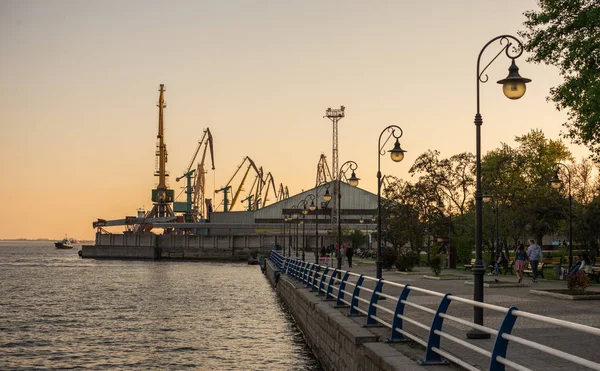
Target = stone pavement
(579,311)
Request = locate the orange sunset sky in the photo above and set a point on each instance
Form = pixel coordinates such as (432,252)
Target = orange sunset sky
(79,85)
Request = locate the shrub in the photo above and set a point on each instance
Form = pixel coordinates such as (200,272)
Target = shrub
(407,261)
(435,263)
(577,282)
(388,256)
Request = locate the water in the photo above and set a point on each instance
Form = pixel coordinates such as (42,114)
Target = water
(58,311)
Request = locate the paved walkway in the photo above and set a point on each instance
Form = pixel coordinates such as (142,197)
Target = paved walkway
(580,311)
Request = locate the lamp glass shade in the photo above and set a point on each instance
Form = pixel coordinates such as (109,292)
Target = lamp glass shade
(353,181)
(514,89)
(555,183)
(312,206)
(373,219)
(486,197)
(513,85)
(294,216)
(397,153)
(305,211)
(327,196)
(361,220)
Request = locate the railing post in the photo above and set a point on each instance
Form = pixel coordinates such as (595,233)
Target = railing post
(397,322)
(340,294)
(431,357)
(316,270)
(308,274)
(330,285)
(501,344)
(322,282)
(355,294)
(372,305)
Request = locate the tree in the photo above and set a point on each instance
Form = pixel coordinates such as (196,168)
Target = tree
(566,34)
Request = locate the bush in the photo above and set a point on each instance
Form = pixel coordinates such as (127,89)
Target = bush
(435,263)
(405,262)
(577,282)
(388,256)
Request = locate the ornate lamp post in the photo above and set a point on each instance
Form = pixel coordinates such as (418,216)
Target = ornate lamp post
(304,213)
(556,183)
(513,88)
(353,181)
(397,155)
(295,217)
(314,207)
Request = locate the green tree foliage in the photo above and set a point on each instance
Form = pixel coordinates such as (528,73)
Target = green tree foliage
(518,179)
(566,34)
(357,238)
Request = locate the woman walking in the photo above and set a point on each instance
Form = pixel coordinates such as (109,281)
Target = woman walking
(520,257)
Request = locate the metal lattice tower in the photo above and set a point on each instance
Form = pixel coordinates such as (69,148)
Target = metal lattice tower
(335,115)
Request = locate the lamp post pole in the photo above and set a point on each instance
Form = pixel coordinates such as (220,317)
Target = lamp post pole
(397,155)
(353,181)
(315,207)
(514,88)
(556,182)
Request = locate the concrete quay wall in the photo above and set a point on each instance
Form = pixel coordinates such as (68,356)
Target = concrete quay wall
(337,341)
(167,246)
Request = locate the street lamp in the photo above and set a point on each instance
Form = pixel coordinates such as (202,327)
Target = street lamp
(315,208)
(353,181)
(513,88)
(556,183)
(295,217)
(304,213)
(397,154)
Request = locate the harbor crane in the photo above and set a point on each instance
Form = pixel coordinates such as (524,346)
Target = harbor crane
(162,197)
(194,206)
(323,173)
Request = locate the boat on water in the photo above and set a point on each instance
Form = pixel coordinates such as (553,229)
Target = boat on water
(64,244)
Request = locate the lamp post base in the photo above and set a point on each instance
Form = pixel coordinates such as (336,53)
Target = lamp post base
(477,334)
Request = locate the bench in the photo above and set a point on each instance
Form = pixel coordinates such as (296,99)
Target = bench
(469,266)
(509,268)
(540,268)
(595,273)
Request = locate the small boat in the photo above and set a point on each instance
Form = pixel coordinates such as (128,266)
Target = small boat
(64,244)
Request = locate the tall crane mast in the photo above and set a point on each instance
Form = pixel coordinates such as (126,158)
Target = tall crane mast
(162,197)
(335,115)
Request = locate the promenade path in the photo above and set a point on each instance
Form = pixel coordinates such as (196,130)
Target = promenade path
(580,311)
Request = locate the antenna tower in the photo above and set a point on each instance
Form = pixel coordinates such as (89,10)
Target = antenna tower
(335,115)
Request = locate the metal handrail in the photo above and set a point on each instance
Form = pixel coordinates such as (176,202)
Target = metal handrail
(324,280)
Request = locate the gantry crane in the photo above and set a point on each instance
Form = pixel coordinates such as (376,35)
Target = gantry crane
(194,206)
(323,173)
(269,186)
(251,165)
(162,197)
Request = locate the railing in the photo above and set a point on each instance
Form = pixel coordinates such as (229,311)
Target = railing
(362,295)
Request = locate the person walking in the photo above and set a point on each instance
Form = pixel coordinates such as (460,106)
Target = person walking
(534,252)
(520,257)
(349,254)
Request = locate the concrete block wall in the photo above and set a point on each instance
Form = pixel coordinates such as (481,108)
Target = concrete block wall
(336,340)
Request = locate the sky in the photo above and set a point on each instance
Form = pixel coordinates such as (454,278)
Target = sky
(79,86)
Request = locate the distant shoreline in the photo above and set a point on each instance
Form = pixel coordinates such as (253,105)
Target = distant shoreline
(38,240)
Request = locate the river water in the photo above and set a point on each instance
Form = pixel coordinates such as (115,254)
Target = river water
(58,311)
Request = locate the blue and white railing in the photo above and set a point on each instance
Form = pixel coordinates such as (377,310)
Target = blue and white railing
(362,295)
